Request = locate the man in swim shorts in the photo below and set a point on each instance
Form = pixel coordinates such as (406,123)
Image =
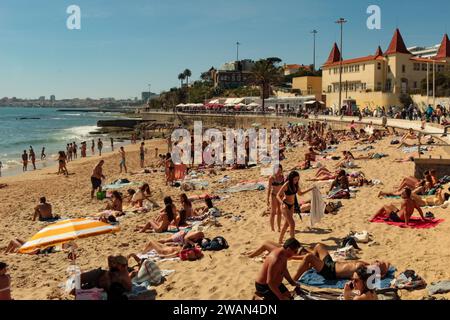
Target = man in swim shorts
(320,260)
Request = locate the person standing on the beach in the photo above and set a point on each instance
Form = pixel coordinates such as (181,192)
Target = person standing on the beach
(1,166)
(156,153)
(122,164)
(100,146)
(43,155)
(75,150)
(96,178)
(5,283)
(112,143)
(62,159)
(142,154)
(25,160)
(93,147)
(33,158)
(83,149)
(69,152)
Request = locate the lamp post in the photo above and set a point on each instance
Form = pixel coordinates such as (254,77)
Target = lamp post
(314,32)
(341,22)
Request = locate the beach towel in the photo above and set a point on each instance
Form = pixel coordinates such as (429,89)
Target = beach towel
(317,207)
(313,279)
(414,149)
(414,223)
(244,187)
(440,287)
(154,256)
(119,184)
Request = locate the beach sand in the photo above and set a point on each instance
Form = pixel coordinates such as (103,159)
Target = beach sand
(219,275)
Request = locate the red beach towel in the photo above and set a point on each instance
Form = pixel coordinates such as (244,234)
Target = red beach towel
(414,223)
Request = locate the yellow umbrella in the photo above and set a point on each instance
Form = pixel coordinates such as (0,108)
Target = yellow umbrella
(66,231)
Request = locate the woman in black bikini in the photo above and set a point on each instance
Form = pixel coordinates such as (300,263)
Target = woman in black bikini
(286,197)
(276,181)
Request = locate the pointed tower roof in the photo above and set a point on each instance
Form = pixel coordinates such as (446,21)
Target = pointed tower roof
(335,55)
(379,52)
(444,49)
(397,44)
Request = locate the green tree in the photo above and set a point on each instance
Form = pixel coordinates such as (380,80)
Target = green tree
(265,74)
(187,73)
(181,77)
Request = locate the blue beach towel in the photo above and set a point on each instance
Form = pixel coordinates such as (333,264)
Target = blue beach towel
(313,279)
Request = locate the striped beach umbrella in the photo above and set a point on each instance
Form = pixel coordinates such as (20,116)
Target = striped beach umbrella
(66,231)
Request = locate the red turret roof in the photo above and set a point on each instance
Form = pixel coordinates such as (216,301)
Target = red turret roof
(444,50)
(397,44)
(379,52)
(335,55)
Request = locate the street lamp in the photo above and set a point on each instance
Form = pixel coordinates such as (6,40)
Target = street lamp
(314,32)
(341,22)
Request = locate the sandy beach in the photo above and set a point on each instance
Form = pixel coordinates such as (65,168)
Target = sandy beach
(219,275)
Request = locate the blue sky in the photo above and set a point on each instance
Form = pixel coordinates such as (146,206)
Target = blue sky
(124,45)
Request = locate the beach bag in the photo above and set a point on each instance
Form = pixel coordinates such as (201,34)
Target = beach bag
(393,142)
(101,195)
(216,244)
(149,272)
(191,254)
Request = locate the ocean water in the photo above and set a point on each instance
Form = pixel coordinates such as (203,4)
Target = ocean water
(53,130)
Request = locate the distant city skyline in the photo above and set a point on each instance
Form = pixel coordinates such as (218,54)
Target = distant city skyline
(123,46)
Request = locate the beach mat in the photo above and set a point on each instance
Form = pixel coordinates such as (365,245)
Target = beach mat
(313,279)
(415,223)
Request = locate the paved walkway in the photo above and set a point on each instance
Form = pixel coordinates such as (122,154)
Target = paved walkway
(430,128)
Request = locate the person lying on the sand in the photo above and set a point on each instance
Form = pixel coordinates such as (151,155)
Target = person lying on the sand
(408,206)
(15,244)
(409,158)
(320,260)
(182,238)
(268,246)
(323,174)
(347,162)
(166,217)
(5,283)
(164,251)
(410,135)
(269,282)
(358,287)
(432,201)
(43,211)
(208,210)
(422,188)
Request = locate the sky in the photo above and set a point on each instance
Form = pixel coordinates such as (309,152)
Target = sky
(124,45)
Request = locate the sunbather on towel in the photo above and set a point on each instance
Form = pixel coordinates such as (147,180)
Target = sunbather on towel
(432,201)
(358,288)
(320,260)
(268,247)
(392,213)
(164,251)
(43,211)
(182,237)
(269,282)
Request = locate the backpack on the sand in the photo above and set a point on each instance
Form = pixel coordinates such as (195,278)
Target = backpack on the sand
(216,244)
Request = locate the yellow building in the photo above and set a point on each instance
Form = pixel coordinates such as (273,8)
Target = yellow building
(308,86)
(380,79)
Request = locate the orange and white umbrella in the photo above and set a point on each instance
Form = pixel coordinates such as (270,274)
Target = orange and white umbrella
(66,231)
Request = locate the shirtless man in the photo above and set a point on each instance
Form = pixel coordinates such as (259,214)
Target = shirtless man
(5,283)
(43,211)
(269,283)
(43,155)
(96,178)
(25,160)
(122,164)
(100,146)
(404,213)
(320,260)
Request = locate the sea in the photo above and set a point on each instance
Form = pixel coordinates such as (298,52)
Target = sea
(51,128)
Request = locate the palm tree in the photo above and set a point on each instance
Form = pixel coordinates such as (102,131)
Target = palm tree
(187,73)
(265,74)
(181,77)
